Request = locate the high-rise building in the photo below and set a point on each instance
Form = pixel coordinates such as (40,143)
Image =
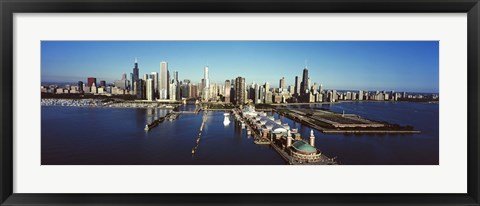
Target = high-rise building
(256,99)
(91,81)
(206,89)
(177,87)
(150,89)
(135,76)
(163,80)
(124,76)
(93,89)
(239,91)
(154,76)
(297,86)
(282,84)
(172,90)
(103,83)
(138,87)
(80,86)
(304,84)
(132,81)
(227,91)
(315,88)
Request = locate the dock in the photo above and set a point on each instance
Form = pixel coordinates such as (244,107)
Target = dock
(204,119)
(170,116)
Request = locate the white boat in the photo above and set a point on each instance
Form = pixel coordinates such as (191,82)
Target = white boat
(226,120)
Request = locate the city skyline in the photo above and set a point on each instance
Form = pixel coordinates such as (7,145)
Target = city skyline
(361,65)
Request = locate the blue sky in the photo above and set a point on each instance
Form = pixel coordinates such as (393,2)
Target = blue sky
(350,65)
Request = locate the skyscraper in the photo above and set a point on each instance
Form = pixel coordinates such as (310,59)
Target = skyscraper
(91,81)
(80,86)
(239,90)
(282,84)
(138,87)
(163,80)
(297,86)
(150,89)
(135,71)
(227,91)
(177,87)
(304,84)
(206,89)
(154,77)
(172,90)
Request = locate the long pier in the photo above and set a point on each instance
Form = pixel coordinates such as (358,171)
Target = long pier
(155,123)
(204,119)
(305,121)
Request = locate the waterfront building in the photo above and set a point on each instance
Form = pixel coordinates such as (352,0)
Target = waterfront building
(150,89)
(154,76)
(227,91)
(206,89)
(172,90)
(163,83)
(91,81)
(139,86)
(240,93)
(177,86)
(360,95)
(256,99)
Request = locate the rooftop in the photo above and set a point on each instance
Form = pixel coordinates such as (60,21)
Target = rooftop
(303,146)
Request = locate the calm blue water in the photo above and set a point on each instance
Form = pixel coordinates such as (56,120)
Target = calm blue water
(115,136)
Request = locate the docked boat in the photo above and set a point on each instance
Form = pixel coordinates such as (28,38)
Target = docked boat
(226,119)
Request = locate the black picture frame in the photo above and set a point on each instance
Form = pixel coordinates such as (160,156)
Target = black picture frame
(10,7)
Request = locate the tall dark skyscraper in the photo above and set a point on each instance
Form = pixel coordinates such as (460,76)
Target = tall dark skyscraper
(281,84)
(239,91)
(297,86)
(80,86)
(103,83)
(135,71)
(304,84)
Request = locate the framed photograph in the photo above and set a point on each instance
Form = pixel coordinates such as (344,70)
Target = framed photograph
(236,102)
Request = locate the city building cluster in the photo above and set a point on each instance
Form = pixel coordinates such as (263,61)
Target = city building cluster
(161,86)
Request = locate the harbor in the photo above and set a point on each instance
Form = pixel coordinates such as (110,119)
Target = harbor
(223,143)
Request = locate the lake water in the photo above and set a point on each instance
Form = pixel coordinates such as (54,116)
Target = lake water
(115,136)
